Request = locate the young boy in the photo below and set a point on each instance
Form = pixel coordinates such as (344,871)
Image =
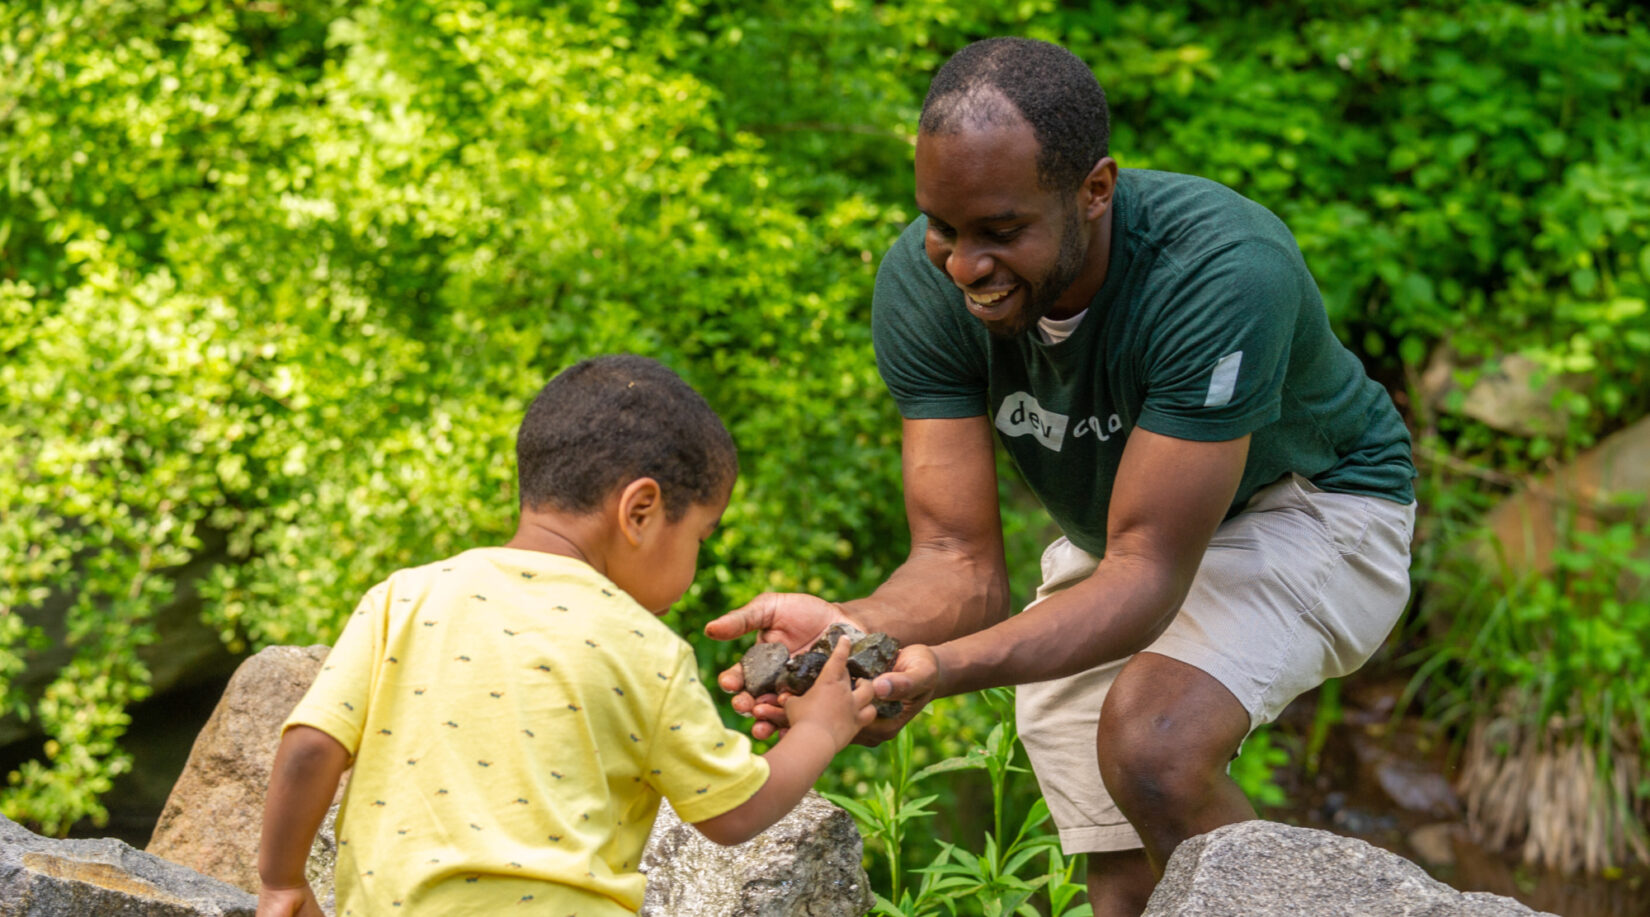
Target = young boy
(514,714)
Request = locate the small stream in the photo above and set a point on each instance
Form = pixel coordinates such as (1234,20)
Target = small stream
(1365,764)
(1390,784)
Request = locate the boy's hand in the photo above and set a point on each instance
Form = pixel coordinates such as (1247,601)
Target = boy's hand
(795,619)
(832,702)
(289,902)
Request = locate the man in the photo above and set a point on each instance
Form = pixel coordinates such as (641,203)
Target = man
(1235,493)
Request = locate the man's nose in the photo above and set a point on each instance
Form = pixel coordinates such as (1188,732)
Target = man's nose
(966,265)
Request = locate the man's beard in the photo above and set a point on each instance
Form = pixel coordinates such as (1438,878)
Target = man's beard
(1046,292)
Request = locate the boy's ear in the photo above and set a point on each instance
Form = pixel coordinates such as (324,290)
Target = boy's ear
(641,506)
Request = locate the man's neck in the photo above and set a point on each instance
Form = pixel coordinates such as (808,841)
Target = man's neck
(1096,262)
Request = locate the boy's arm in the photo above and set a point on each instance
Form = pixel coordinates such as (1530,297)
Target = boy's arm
(302,783)
(822,724)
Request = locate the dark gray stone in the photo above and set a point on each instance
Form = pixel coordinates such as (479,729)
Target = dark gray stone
(762,665)
(872,655)
(835,632)
(43,877)
(801,672)
(1266,869)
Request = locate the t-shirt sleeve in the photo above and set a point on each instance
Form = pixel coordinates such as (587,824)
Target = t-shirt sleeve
(933,366)
(700,765)
(1216,362)
(336,702)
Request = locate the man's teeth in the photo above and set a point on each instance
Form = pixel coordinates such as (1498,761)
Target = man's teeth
(987,299)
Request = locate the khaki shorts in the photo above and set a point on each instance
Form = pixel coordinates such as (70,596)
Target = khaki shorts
(1301,586)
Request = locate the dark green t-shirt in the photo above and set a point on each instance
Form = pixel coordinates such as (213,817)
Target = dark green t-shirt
(1208,327)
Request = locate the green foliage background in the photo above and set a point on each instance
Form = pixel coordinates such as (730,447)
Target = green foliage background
(286,272)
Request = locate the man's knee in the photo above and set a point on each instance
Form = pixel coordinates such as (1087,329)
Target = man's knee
(1166,731)
(1145,769)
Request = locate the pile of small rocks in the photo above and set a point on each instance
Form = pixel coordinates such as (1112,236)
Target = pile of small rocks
(769,668)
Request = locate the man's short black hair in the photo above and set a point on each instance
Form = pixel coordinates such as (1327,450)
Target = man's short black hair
(607,421)
(1051,89)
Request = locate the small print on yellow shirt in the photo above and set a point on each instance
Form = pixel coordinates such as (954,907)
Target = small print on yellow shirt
(515,718)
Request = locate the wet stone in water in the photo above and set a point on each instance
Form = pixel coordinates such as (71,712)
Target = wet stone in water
(763,664)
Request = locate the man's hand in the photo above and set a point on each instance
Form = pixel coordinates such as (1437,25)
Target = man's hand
(912,681)
(795,619)
(288,902)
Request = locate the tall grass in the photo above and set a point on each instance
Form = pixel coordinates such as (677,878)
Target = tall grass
(1546,674)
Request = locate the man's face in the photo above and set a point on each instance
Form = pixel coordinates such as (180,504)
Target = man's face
(1013,247)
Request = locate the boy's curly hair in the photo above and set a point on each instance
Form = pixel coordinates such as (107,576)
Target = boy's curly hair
(606,421)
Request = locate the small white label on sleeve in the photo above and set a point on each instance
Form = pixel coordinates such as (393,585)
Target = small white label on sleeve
(1223,381)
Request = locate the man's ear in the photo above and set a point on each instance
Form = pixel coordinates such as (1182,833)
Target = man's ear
(1098,188)
(641,509)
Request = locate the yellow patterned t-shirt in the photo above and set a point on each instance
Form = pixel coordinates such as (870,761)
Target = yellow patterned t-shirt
(515,718)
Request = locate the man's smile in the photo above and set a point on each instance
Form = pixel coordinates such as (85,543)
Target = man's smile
(988,298)
(990,305)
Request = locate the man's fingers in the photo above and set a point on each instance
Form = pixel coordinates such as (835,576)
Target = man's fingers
(877,731)
(895,686)
(754,615)
(732,680)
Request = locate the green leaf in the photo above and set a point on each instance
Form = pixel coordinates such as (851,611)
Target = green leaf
(960,763)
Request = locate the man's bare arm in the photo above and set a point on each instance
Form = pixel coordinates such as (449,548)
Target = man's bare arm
(1169,497)
(954,581)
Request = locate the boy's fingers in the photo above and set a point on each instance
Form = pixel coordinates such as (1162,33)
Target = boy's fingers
(837,665)
(865,692)
(864,701)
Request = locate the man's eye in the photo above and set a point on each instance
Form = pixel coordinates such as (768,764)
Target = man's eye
(1002,235)
(944,232)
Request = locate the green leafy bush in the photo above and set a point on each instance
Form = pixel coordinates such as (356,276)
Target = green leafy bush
(291,274)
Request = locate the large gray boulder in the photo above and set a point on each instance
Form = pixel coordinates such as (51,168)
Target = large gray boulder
(807,865)
(1266,869)
(43,877)
(213,818)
